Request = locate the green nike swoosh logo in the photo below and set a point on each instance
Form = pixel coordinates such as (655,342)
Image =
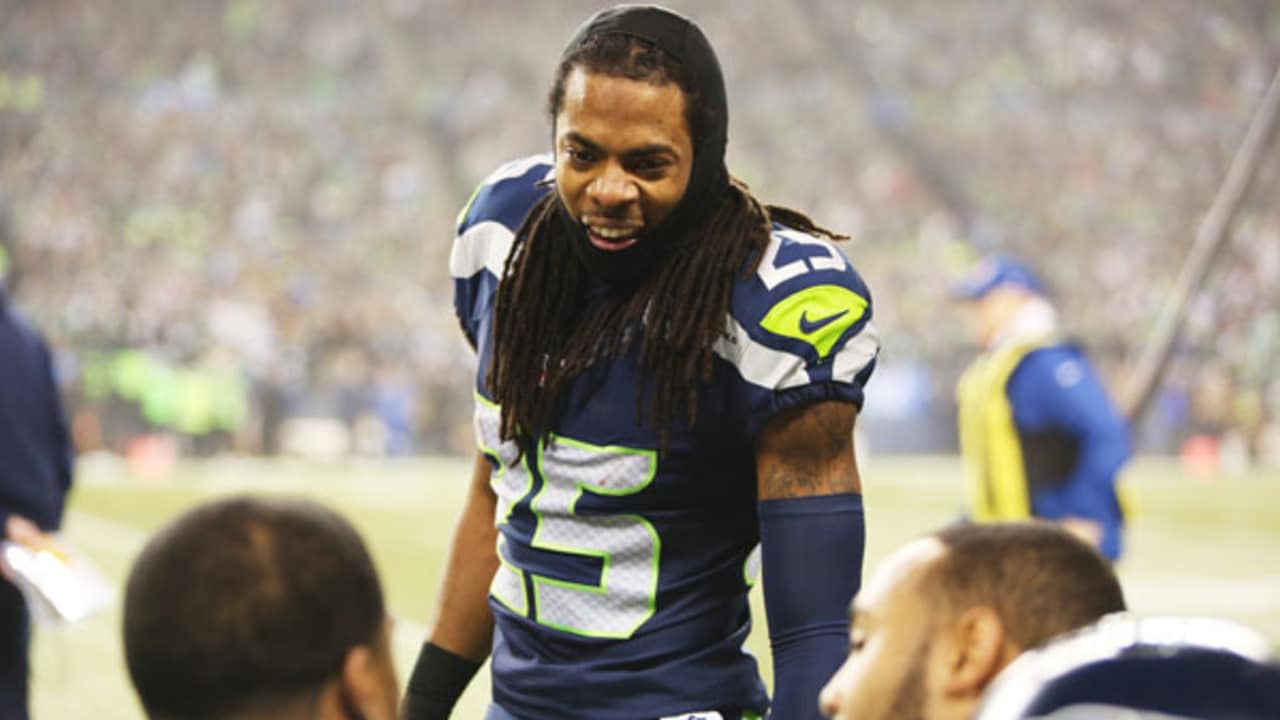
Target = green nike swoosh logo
(835,309)
(808,326)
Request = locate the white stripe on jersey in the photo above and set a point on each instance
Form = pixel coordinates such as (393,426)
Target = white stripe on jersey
(857,354)
(757,363)
(777,370)
(487,243)
(483,245)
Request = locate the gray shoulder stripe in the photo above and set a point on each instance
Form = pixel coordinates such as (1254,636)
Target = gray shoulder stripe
(776,370)
(483,245)
(757,363)
(857,354)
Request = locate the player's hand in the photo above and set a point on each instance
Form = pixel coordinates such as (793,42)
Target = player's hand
(24,532)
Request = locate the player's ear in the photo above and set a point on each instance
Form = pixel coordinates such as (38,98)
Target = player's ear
(368,682)
(977,649)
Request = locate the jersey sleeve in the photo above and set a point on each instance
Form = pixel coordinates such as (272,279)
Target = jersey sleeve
(485,230)
(800,331)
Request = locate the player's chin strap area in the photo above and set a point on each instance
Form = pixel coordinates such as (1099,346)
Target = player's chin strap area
(438,679)
(811,548)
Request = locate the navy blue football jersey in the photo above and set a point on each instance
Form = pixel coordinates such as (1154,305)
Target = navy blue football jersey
(624,573)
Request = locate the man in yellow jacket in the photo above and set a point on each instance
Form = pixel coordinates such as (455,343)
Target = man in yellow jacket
(1038,433)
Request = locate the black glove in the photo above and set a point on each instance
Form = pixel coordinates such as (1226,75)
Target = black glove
(438,679)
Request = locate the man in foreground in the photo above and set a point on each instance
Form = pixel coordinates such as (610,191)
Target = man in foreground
(259,608)
(1038,433)
(945,614)
(669,372)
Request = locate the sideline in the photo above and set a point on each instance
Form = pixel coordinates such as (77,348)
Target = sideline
(127,540)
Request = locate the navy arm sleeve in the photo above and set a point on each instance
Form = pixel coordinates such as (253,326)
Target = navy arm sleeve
(811,550)
(1057,389)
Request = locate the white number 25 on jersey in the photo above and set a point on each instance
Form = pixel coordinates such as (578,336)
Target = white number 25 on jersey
(626,544)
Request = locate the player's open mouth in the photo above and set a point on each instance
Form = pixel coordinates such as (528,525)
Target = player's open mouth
(612,238)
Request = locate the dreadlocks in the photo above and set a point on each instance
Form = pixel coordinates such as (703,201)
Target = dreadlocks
(548,332)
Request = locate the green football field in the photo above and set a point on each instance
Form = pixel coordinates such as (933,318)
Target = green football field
(1202,547)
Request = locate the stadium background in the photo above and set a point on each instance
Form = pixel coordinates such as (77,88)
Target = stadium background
(232,219)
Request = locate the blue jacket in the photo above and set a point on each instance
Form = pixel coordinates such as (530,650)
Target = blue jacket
(1040,438)
(35,448)
(1074,441)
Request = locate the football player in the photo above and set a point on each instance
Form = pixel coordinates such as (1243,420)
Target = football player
(1169,668)
(669,373)
(942,616)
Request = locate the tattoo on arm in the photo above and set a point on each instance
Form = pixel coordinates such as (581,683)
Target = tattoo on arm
(808,451)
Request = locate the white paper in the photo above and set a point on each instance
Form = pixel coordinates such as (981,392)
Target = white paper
(59,586)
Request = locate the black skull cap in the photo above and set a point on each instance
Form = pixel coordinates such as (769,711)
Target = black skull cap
(683,40)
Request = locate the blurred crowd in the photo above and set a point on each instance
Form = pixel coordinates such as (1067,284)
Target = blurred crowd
(253,201)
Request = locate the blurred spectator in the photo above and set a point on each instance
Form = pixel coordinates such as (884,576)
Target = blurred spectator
(256,187)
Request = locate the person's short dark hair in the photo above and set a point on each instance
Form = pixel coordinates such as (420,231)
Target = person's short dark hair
(1041,580)
(247,603)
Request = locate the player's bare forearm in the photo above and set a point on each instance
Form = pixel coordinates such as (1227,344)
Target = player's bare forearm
(464,622)
(808,451)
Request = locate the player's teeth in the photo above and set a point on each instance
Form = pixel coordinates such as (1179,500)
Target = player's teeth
(612,233)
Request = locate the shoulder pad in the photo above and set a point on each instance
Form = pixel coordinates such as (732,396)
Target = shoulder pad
(804,317)
(805,294)
(506,195)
